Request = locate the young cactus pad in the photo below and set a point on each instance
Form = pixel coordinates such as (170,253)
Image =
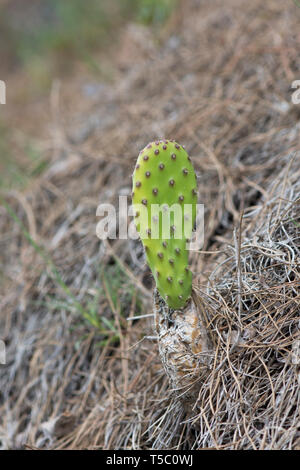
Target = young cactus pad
(164,200)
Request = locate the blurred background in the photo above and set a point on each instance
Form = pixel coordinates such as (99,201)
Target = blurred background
(47,40)
(88,85)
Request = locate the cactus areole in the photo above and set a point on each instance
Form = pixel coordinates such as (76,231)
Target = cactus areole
(164,200)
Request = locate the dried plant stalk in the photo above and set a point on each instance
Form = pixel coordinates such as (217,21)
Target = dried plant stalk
(184,346)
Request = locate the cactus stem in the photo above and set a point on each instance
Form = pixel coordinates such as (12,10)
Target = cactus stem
(167,257)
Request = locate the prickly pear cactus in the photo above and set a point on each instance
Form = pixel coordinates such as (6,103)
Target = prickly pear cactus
(164,199)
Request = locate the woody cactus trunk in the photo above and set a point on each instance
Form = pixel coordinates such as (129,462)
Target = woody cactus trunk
(165,204)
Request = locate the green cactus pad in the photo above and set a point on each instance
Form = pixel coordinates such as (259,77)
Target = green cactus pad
(164,199)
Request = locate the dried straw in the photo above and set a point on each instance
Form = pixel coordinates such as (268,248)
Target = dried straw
(220,84)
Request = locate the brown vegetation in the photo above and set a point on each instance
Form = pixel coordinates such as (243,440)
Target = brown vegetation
(221,85)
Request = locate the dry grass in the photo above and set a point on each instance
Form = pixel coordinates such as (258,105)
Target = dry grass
(221,86)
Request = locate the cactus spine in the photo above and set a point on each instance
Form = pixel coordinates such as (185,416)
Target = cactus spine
(164,199)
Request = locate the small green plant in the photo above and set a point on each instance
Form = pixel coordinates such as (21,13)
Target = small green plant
(115,287)
(18,163)
(164,189)
(154,12)
(297,224)
(118,289)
